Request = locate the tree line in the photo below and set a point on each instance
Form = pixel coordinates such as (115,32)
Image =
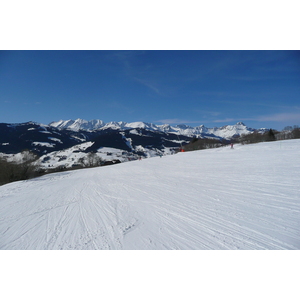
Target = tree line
(28,166)
(200,144)
(23,169)
(287,133)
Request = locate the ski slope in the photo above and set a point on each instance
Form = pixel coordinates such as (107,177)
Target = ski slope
(242,198)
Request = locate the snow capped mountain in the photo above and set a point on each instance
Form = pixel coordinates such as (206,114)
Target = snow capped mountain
(143,125)
(62,148)
(62,144)
(228,131)
(78,124)
(225,132)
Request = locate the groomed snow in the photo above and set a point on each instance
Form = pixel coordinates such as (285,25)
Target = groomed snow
(242,198)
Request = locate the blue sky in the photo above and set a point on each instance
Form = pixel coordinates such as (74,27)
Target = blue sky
(214,88)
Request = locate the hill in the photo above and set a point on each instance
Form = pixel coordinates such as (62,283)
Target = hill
(241,198)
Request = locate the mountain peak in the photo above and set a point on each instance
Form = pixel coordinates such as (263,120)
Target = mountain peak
(183,126)
(78,124)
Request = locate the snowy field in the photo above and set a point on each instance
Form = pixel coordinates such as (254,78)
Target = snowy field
(242,198)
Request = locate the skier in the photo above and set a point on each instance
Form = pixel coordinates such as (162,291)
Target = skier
(231,145)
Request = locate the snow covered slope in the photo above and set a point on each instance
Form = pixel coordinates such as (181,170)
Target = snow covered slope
(71,157)
(242,198)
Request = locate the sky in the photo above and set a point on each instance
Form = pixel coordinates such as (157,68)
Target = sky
(192,87)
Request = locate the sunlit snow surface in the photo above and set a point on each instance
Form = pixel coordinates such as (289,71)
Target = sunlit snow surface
(242,198)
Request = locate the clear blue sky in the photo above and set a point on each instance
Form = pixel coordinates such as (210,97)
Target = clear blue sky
(214,88)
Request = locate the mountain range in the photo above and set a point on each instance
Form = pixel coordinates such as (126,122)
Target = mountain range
(64,142)
(226,132)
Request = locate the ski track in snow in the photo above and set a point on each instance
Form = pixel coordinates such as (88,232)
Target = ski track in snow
(245,198)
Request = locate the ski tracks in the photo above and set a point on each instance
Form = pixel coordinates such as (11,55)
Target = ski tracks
(205,200)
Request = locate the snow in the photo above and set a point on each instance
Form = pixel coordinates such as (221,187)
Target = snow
(43,144)
(19,157)
(143,125)
(229,131)
(55,140)
(136,125)
(128,141)
(71,156)
(134,131)
(45,131)
(242,198)
(64,158)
